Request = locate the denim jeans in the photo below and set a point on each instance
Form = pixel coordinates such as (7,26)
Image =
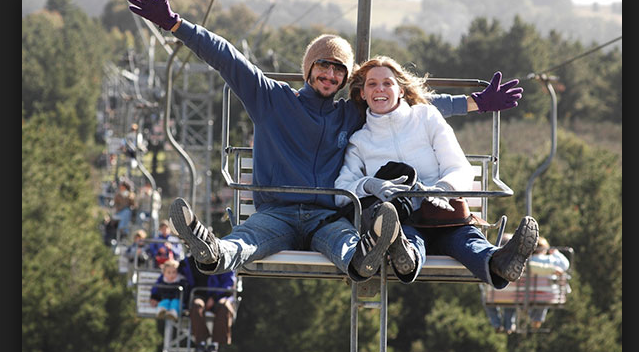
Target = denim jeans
(287,227)
(124,216)
(467,244)
(170,304)
(538,314)
(501,316)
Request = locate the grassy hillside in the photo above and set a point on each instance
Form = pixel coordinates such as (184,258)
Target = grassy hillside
(533,137)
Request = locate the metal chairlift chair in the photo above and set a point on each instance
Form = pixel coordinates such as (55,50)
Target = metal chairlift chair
(306,264)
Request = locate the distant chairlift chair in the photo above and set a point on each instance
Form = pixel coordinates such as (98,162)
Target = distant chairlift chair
(531,291)
(177,334)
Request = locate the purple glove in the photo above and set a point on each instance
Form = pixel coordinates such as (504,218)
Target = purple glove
(156,11)
(498,96)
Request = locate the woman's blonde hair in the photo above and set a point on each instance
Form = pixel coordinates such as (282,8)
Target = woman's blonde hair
(415,89)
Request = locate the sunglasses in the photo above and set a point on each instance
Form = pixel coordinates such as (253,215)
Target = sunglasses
(324,65)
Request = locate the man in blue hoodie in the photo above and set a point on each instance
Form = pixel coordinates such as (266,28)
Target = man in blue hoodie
(300,137)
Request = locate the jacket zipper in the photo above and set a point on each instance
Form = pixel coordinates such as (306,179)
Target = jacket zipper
(398,150)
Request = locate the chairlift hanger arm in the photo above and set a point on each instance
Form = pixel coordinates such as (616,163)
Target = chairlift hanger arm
(169,88)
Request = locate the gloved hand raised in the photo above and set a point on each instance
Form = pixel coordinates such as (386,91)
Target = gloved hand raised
(439,202)
(156,11)
(498,96)
(383,189)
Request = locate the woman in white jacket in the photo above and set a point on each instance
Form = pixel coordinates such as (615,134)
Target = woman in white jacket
(402,126)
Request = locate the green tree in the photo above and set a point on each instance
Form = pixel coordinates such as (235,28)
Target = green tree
(481,50)
(451,327)
(62,55)
(73,298)
(430,53)
(297,315)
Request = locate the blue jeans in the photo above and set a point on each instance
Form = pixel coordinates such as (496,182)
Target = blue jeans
(124,216)
(467,244)
(538,314)
(169,304)
(501,316)
(287,227)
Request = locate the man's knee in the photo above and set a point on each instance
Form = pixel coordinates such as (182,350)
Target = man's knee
(199,302)
(197,306)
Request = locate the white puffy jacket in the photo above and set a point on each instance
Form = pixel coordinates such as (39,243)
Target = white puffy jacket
(416,135)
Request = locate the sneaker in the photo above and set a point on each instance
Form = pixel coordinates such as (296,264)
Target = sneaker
(161,312)
(403,255)
(202,243)
(509,261)
(212,347)
(373,245)
(172,314)
(201,347)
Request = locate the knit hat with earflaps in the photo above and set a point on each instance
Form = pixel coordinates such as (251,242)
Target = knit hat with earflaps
(328,46)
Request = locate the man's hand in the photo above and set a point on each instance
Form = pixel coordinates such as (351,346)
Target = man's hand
(156,11)
(383,189)
(439,202)
(498,96)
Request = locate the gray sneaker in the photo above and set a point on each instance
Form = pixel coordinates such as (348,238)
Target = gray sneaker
(372,246)
(202,243)
(402,254)
(509,261)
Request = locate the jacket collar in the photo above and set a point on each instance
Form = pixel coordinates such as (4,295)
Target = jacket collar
(398,115)
(315,102)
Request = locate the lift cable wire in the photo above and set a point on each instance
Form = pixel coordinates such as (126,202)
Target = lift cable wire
(190,53)
(544,72)
(343,14)
(262,19)
(304,14)
(243,42)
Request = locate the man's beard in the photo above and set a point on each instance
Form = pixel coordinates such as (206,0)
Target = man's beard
(321,93)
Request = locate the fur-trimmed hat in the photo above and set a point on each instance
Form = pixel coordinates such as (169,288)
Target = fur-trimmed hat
(328,46)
